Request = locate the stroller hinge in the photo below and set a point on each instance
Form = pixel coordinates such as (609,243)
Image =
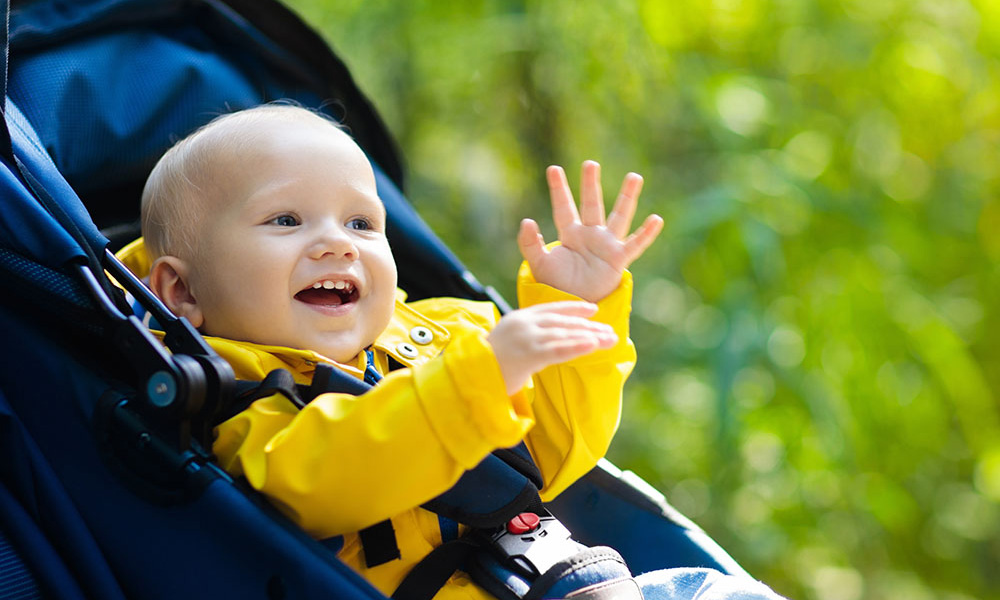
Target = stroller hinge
(215,375)
(171,387)
(182,391)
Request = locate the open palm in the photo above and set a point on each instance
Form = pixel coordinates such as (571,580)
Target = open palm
(594,251)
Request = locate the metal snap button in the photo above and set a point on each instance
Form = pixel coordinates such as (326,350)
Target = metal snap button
(421,335)
(406,350)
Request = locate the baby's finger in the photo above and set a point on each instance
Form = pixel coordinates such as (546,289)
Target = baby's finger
(591,196)
(620,219)
(604,337)
(643,237)
(571,346)
(563,325)
(564,211)
(531,242)
(572,308)
(567,349)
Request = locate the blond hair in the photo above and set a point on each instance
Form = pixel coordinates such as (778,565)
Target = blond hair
(181,182)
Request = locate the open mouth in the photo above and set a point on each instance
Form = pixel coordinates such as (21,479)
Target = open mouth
(329,293)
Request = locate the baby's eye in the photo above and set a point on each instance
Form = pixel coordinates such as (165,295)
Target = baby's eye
(359,223)
(285,221)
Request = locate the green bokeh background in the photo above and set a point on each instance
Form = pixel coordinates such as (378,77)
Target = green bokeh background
(818,325)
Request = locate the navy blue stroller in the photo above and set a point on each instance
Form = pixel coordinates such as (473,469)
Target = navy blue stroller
(106,488)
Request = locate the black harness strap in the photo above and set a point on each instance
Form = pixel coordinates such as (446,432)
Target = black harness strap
(431,573)
(278,381)
(327,379)
(379,543)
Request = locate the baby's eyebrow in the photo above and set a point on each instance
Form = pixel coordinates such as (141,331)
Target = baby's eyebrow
(372,207)
(378,205)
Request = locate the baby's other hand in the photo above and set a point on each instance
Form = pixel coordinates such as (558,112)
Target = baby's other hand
(526,341)
(593,252)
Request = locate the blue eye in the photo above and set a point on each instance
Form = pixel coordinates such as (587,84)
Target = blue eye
(359,223)
(285,221)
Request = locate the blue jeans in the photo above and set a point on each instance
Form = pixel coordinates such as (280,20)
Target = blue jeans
(701,584)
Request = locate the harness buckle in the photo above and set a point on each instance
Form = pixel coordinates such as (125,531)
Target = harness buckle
(530,544)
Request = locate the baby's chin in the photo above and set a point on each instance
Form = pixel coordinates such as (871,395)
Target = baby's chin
(345,354)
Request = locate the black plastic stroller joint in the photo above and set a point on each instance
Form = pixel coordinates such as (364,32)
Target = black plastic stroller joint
(169,387)
(185,388)
(206,377)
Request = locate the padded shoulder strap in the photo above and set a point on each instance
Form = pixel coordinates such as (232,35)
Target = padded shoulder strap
(495,491)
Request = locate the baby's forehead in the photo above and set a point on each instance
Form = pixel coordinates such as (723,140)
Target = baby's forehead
(265,142)
(232,139)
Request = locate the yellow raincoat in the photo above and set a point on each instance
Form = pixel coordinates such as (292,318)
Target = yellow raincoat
(346,462)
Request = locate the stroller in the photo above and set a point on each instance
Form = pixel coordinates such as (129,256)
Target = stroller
(107,488)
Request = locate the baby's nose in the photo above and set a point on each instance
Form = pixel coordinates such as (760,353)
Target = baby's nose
(335,241)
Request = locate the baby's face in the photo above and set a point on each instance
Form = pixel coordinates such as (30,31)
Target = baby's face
(292,251)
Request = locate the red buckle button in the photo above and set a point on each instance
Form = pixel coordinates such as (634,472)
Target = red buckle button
(523,523)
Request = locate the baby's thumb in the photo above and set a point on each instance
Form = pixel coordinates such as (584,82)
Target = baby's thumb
(530,241)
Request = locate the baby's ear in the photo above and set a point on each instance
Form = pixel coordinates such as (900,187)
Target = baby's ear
(168,278)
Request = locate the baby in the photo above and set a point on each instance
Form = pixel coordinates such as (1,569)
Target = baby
(265,230)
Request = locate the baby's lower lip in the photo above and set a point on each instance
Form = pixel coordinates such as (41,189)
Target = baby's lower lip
(331,310)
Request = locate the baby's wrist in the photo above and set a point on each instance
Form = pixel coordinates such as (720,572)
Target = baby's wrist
(591,293)
(513,377)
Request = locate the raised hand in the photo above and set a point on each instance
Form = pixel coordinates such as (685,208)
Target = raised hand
(526,341)
(593,252)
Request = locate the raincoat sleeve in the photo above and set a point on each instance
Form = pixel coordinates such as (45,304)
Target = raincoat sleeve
(577,404)
(346,462)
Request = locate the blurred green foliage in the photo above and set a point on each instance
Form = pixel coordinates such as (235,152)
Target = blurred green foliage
(817,326)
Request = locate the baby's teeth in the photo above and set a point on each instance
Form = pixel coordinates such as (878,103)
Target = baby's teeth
(329,284)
